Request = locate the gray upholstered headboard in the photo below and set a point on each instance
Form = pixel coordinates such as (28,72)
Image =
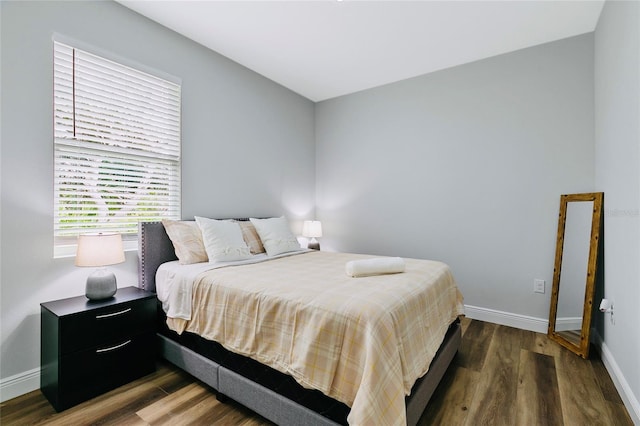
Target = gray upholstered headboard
(154,249)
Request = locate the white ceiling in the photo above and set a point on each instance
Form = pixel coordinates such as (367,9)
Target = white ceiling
(323,49)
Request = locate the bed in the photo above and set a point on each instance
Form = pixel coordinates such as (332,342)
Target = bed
(282,391)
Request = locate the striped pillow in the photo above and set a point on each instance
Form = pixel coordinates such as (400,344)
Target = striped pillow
(251,237)
(187,241)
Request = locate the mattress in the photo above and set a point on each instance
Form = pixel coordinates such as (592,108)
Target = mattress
(362,341)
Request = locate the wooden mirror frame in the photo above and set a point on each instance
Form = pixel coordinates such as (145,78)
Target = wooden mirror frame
(583,348)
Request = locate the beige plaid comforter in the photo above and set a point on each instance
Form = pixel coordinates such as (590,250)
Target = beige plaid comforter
(363,341)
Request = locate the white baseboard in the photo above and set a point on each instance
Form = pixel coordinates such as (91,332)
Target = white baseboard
(523,322)
(626,393)
(19,384)
(539,325)
(568,323)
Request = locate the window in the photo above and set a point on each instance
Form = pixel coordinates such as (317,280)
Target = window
(116,146)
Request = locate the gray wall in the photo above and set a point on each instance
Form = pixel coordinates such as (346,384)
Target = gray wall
(464,165)
(617,143)
(228,113)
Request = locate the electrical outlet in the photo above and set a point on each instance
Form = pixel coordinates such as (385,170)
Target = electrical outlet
(538,286)
(612,318)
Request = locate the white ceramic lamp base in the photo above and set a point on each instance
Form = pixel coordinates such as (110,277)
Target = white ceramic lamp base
(101,285)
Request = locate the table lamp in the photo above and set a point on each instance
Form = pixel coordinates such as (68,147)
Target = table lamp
(312,229)
(100,250)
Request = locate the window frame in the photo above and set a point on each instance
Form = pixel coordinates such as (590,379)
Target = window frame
(170,182)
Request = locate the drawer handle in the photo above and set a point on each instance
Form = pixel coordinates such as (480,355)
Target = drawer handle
(113,348)
(113,314)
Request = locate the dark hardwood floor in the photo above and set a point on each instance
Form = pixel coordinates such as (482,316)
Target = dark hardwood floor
(500,376)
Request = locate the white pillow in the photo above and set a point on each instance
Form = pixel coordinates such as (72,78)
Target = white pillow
(276,235)
(223,240)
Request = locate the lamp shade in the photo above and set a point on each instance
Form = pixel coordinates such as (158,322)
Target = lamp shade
(99,250)
(312,229)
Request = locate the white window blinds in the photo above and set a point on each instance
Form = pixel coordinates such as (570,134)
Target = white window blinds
(117,146)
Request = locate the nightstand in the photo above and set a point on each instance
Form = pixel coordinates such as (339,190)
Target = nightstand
(88,348)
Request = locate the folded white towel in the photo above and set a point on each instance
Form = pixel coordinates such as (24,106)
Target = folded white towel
(375,266)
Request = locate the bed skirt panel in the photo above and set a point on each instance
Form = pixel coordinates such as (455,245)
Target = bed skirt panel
(193,363)
(426,385)
(270,405)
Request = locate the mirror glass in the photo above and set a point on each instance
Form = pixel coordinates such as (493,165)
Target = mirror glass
(575,258)
(575,270)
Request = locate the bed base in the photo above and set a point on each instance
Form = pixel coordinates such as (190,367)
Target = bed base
(155,248)
(258,398)
(282,410)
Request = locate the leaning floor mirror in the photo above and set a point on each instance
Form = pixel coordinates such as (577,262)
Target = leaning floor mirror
(574,271)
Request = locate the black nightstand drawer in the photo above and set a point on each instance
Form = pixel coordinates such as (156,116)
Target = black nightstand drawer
(91,328)
(89,373)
